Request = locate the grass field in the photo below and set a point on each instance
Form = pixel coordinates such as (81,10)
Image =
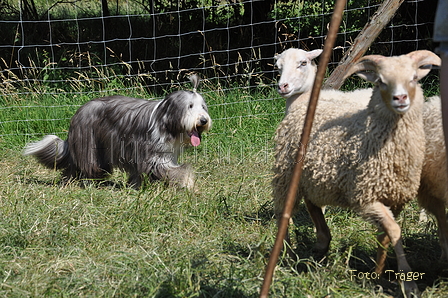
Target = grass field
(62,240)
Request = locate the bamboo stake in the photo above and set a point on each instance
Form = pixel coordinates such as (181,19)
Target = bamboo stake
(292,191)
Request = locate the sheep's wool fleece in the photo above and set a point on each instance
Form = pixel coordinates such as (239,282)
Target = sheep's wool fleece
(354,157)
(434,182)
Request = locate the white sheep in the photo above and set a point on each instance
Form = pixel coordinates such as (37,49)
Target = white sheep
(433,191)
(368,160)
(297,73)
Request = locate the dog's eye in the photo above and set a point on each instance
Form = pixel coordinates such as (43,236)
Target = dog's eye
(191,106)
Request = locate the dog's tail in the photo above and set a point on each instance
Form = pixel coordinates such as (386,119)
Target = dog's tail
(195,79)
(51,151)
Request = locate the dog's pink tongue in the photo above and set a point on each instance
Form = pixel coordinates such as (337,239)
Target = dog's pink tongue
(194,139)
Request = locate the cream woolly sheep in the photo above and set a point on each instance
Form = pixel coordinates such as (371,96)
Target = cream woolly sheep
(369,160)
(433,191)
(297,73)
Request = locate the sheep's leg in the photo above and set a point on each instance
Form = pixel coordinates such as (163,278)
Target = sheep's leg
(383,244)
(437,207)
(323,234)
(287,239)
(382,215)
(443,231)
(381,253)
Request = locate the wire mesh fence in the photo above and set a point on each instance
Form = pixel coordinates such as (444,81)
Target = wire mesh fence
(82,46)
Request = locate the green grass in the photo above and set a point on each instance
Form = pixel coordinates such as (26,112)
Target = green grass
(62,240)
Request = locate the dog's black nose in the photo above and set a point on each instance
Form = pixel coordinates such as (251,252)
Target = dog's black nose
(203,120)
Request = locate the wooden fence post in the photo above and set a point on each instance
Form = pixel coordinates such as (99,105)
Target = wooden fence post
(363,41)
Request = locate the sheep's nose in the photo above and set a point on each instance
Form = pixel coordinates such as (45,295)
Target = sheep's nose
(283,87)
(401,98)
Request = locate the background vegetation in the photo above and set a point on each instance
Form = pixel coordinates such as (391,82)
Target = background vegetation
(107,240)
(162,38)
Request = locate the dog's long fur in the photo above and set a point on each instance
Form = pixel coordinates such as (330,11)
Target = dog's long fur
(136,135)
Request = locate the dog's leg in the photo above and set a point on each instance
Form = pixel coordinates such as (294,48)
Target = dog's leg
(183,176)
(70,173)
(135,180)
(180,175)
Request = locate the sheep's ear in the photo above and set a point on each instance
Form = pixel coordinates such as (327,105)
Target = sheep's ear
(313,54)
(423,70)
(368,76)
(425,59)
(365,68)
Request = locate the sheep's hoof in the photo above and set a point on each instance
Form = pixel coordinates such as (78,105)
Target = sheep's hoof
(321,248)
(319,252)
(291,253)
(409,289)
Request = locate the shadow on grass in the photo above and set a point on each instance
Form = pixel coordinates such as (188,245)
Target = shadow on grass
(265,213)
(167,290)
(12,241)
(422,252)
(44,182)
(110,182)
(83,183)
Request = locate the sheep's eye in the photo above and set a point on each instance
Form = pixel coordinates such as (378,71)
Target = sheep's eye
(382,84)
(303,63)
(191,106)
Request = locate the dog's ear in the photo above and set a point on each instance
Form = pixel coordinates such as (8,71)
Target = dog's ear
(195,79)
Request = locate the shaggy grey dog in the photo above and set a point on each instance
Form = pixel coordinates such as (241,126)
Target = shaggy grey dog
(141,137)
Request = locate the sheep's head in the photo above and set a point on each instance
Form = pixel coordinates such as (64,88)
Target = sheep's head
(396,77)
(297,71)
